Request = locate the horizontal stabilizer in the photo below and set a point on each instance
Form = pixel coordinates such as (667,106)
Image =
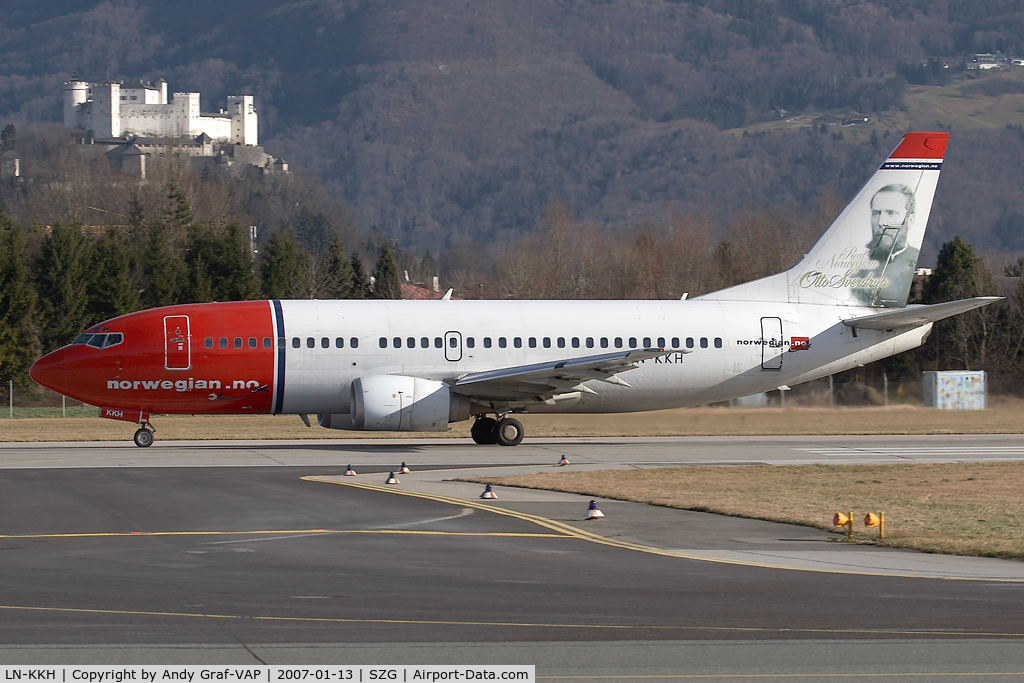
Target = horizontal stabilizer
(915,316)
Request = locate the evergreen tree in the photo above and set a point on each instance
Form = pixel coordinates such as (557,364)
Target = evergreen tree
(428,267)
(236,280)
(387,284)
(360,282)
(136,216)
(164,272)
(337,273)
(961,342)
(180,211)
(283,267)
(313,231)
(19,338)
(63,276)
(219,264)
(113,290)
(8,138)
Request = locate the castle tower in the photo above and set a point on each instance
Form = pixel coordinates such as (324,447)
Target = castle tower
(76,94)
(186,114)
(106,110)
(244,122)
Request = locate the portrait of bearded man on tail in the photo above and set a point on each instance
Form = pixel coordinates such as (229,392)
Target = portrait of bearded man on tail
(892,219)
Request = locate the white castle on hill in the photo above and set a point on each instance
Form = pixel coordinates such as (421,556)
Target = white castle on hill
(114,110)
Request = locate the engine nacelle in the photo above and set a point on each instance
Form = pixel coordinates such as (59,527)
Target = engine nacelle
(400,404)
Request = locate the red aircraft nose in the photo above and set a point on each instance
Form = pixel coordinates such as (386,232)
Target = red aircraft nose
(51,370)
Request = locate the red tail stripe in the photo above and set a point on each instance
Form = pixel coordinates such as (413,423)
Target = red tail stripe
(921,146)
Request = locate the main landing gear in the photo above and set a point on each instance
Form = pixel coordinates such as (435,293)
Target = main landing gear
(504,431)
(144,436)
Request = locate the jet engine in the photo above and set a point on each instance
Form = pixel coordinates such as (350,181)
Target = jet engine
(400,404)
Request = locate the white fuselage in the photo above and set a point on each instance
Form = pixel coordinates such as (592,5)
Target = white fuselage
(735,348)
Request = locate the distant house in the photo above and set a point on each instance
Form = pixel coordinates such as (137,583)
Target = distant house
(827,120)
(854,119)
(413,292)
(987,60)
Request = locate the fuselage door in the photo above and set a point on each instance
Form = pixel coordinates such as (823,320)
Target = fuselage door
(177,343)
(453,346)
(772,344)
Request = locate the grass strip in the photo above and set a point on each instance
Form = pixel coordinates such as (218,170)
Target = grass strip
(958,508)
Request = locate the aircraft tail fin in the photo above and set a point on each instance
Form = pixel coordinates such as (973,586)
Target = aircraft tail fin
(868,255)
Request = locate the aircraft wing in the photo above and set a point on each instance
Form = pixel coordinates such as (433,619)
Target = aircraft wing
(915,316)
(545,381)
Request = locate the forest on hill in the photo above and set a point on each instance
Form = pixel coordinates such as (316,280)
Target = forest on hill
(451,126)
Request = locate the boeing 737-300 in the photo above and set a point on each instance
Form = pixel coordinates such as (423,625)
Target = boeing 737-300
(422,365)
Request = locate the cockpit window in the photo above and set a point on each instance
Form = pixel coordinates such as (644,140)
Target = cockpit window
(100,341)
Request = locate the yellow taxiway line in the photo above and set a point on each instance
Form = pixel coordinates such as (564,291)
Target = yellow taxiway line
(513,624)
(591,537)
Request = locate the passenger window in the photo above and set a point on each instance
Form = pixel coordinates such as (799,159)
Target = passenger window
(561,342)
(410,343)
(280,342)
(689,342)
(487,342)
(208,342)
(532,342)
(618,342)
(661,342)
(675,342)
(266,342)
(252,342)
(424,343)
(296,342)
(517,342)
(383,342)
(590,342)
(718,342)
(310,343)
(470,342)
(632,342)
(325,343)
(547,342)
(397,341)
(354,342)
(502,343)
(238,342)
(438,343)
(575,342)
(453,342)
(647,342)
(604,342)
(703,342)
(339,342)
(223,342)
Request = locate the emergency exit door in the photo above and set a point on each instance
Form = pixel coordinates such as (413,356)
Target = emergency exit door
(772,344)
(177,343)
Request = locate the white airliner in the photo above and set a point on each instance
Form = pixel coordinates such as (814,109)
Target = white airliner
(421,365)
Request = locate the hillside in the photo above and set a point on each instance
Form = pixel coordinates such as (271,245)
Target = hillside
(448,122)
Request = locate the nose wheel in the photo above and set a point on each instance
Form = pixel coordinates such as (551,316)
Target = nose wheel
(143,438)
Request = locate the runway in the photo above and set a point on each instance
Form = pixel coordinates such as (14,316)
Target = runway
(241,552)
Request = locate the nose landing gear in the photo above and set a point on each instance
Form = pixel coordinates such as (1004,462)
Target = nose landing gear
(144,436)
(505,431)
